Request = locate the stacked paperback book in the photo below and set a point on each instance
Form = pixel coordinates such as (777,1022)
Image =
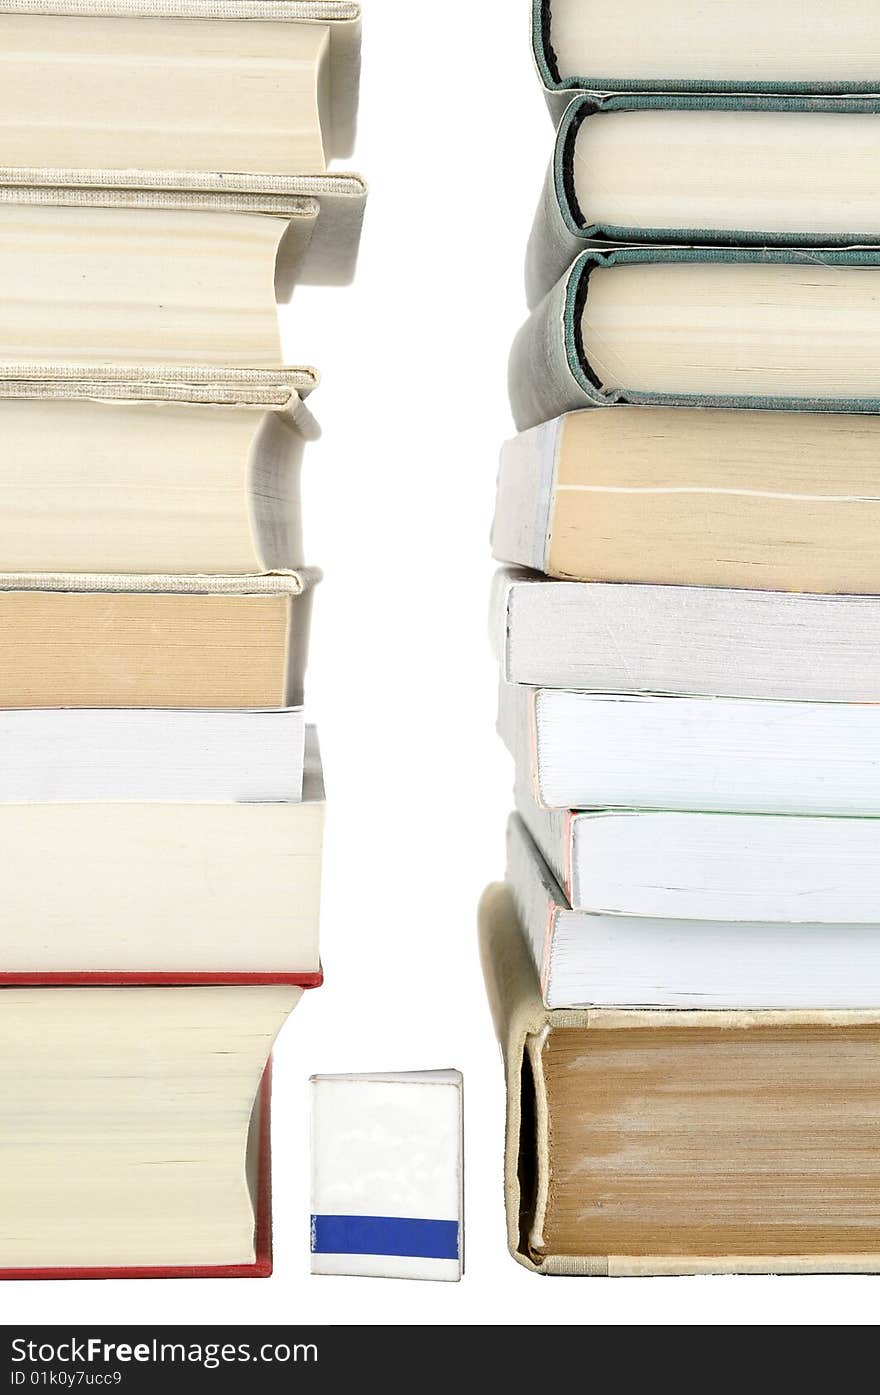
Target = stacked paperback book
(161,797)
(684,964)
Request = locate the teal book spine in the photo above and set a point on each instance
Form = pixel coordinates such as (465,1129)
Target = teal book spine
(549,373)
(559,90)
(562,228)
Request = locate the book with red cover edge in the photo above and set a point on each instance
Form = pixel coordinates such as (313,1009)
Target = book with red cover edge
(107,978)
(261,1268)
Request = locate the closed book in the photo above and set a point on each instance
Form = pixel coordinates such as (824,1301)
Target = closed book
(779,501)
(157,865)
(793,46)
(733,170)
(594,750)
(146,1150)
(686,939)
(171,271)
(258,86)
(143,484)
(685,640)
(710,327)
(388,1175)
(129,640)
(656,1142)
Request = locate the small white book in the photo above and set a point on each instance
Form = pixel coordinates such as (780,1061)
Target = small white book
(388,1175)
(587,750)
(614,961)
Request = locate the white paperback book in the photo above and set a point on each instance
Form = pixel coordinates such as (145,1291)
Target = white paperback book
(695,866)
(695,641)
(388,1175)
(588,750)
(615,961)
(69,755)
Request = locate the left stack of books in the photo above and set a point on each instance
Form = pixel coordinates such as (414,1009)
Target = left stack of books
(161,797)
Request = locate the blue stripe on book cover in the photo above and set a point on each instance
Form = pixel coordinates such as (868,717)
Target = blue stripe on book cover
(384,1235)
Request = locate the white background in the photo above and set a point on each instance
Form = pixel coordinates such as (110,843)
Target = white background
(454,138)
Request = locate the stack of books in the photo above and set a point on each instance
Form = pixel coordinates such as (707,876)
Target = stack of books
(684,963)
(161,796)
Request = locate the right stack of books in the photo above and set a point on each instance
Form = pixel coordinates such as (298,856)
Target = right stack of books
(684,964)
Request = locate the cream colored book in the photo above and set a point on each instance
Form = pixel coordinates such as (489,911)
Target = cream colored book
(255,86)
(652,1142)
(136,1130)
(124,640)
(91,275)
(776,501)
(757,327)
(142,484)
(187,887)
(727,169)
(796,46)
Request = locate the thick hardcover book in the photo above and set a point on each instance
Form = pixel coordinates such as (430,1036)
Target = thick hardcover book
(258,1268)
(144,484)
(259,86)
(763,171)
(703,327)
(176,271)
(155,890)
(686,640)
(147,1149)
(791,46)
(652,1142)
(124,640)
(317,219)
(777,501)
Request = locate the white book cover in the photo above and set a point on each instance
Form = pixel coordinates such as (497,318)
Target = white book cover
(387,1175)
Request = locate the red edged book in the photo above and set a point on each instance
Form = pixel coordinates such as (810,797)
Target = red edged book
(135,1125)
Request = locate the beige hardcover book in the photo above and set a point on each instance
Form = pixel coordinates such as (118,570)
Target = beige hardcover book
(161,275)
(143,484)
(136,1131)
(256,86)
(657,1142)
(776,501)
(154,875)
(153,641)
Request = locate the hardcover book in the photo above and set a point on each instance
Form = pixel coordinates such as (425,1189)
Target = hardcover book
(84,640)
(706,46)
(734,170)
(144,484)
(147,1154)
(203,887)
(710,327)
(652,1142)
(177,272)
(256,86)
(779,501)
